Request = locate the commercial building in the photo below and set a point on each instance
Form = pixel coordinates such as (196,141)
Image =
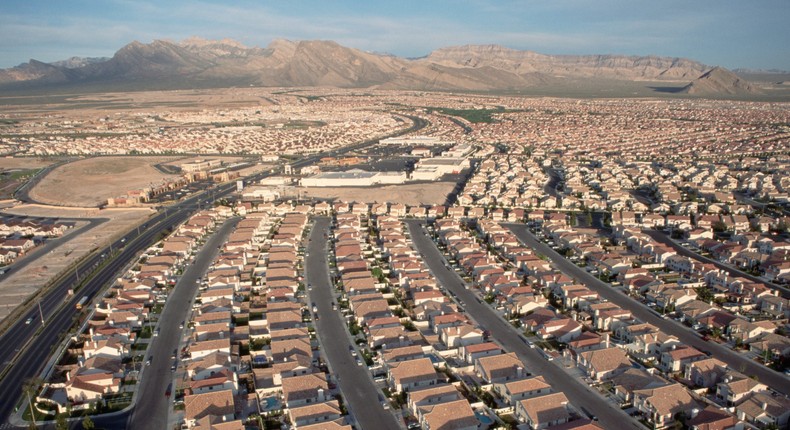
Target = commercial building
(430,169)
(416,140)
(200,165)
(353,178)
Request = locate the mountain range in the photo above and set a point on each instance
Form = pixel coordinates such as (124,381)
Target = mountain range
(197,62)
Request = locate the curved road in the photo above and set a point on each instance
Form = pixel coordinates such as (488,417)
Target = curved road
(151,406)
(769,377)
(52,243)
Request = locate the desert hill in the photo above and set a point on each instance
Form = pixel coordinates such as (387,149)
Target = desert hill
(197,62)
(719,81)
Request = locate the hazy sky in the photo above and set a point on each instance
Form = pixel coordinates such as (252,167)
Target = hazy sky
(730,33)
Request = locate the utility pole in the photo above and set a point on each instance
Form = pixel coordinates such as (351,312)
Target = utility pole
(40,312)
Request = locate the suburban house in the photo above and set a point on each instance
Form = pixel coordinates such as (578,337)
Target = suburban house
(543,411)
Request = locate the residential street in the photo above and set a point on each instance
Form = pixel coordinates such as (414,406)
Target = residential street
(356,385)
(662,237)
(773,379)
(151,407)
(579,394)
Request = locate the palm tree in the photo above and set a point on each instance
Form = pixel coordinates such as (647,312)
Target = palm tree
(31,387)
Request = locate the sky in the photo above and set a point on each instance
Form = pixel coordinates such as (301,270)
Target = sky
(733,34)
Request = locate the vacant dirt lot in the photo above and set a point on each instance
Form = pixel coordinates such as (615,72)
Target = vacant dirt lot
(409,194)
(92,181)
(10,163)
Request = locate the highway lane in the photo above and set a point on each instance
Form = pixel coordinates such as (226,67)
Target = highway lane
(579,394)
(662,237)
(358,389)
(151,407)
(767,376)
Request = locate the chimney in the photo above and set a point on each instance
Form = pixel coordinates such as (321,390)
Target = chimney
(320,394)
(606,340)
(763,405)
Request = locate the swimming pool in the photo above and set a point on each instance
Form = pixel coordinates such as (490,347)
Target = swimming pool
(271,403)
(483,418)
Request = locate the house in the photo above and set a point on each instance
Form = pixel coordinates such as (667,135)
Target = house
(87,385)
(216,404)
(515,391)
(712,418)
(587,341)
(706,372)
(209,365)
(315,413)
(676,359)
(408,375)
(453,415)
(202,348)
(461,335)
(224,380)
(633,379)
(762,409)
(441,393)
(500,368)
(602,364)
(471,353)
(661,405)
(735,386)
(394,355)
(771,345)
(113,346)
(304,389)
(543,411)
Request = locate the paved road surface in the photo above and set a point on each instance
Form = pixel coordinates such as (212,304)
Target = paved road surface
(579,394)
(358,389)
(151,406)
(773,379)
(662,237)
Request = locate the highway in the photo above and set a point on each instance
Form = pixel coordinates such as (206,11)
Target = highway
(771,378)
(579,394)
(354,381)
(151,406)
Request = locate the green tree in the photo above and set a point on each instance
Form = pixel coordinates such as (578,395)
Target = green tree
(87,423)
(61,423)
(719,226)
